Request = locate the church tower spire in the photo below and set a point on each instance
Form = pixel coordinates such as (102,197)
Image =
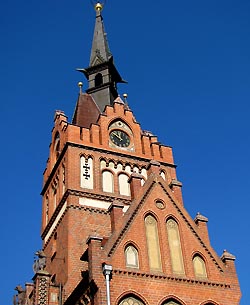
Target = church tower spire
(101,74)
(112,207)
(100,50)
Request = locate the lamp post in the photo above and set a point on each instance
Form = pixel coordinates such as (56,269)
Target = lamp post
(107,269)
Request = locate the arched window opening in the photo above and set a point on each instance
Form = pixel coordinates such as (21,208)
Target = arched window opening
(171,302)
(131,257)
(124,187)
(175,247)
(163,175)
(107,182)
(199,267)
(131,300)
(98,79)
(144,173)
(153,243)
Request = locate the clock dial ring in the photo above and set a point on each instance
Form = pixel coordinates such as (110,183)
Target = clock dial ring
(119,138)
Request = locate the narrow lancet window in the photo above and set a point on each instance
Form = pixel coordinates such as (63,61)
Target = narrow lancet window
(153,243)
(175,247)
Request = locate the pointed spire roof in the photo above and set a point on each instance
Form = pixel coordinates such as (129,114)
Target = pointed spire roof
(100,50)
(101,74)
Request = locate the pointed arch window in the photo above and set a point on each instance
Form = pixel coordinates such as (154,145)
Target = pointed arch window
(98,79)
(154,254)
(131,300)
(175,247)
(163,175)
(199,267)
(171,302)
(107,181)
(124,187)
(131,257)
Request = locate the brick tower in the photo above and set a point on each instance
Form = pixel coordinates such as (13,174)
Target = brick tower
(114,226)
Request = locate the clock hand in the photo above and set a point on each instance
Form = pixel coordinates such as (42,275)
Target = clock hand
(118,137)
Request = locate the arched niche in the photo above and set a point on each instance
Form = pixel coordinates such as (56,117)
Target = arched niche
(131,256)
(107,181)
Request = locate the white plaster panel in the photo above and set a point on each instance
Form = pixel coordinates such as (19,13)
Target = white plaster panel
(94,203)
(128,169)
(107,182)
(144,173)
(136,169)
(103,164)
(124,188)
(87,177)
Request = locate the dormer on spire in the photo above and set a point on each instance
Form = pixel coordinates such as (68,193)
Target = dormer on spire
(102,74)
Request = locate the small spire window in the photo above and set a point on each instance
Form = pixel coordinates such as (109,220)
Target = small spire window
(98,79)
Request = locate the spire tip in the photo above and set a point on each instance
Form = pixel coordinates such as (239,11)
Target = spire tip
(98,6)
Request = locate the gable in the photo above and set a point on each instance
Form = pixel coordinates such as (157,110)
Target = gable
(170,243)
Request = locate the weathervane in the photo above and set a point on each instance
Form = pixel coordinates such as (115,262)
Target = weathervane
(98,5)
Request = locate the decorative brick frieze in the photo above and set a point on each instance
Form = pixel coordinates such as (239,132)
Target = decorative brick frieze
(160,277)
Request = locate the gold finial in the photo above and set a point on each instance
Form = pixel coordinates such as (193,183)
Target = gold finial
(80,84)
(125,96)
(98,6)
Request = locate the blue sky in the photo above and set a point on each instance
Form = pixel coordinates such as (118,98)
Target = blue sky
(187,65)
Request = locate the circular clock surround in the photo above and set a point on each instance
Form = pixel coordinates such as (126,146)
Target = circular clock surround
(119,138)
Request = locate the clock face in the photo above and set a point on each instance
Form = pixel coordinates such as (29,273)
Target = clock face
(119,138)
